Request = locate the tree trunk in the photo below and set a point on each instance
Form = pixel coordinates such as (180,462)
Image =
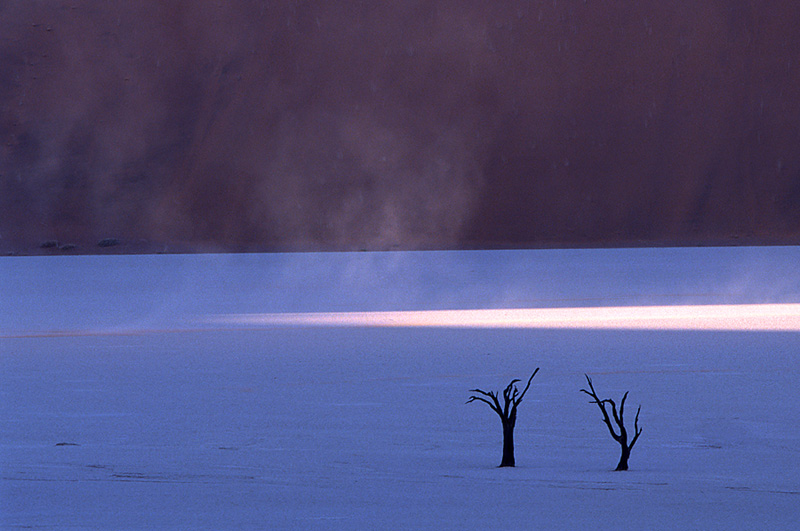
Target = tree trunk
(623,459)
(508,445)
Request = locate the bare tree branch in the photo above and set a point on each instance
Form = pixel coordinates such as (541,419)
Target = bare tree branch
(602,406)
(620,420)
(473,398)
(494,404)
(527,386)
(636,429)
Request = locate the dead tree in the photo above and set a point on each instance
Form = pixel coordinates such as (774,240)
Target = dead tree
(507,412)
(619,420)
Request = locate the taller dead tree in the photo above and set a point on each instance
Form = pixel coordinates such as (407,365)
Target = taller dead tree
(619,420)
(507,412)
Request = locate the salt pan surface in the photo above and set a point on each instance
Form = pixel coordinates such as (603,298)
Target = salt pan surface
(126,404)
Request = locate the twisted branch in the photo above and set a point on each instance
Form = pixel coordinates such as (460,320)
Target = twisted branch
(511,398)
(619,419)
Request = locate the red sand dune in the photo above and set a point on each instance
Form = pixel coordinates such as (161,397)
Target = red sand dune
(253,125)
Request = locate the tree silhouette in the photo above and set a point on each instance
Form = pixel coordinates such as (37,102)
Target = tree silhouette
(507,412)
(619,420)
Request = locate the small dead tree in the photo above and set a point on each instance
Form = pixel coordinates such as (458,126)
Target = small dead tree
(507,412)
(619,420)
